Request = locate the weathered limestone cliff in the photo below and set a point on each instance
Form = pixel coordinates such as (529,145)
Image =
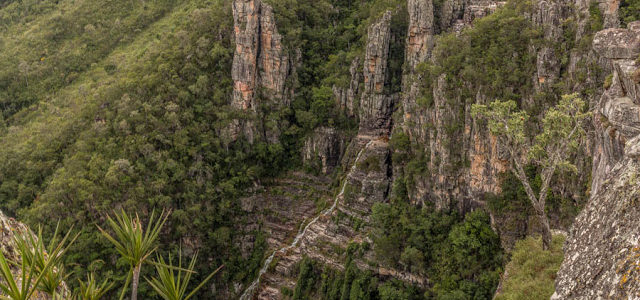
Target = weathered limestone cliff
(603,249)
(260,68)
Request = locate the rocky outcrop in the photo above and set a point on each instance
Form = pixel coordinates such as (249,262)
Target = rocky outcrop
(260,67)
(616,118)
(616,43)
(420,33)
(602,251)
(325,146)
(457,14)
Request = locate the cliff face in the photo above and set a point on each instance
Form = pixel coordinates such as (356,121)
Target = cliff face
(367,165)
(601,253)
(324,149)
(427,127)
(464,161)
(617,118)
(260,67)
(376,105)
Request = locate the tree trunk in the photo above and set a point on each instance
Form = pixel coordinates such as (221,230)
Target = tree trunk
(546,230)
(134,283)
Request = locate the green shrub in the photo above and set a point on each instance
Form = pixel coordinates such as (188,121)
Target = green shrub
(608,81)
(596,19)
(532,271)
(629,11)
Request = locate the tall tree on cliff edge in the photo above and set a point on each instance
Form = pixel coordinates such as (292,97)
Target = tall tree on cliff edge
(562,134)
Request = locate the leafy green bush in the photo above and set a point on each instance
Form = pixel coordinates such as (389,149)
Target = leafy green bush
(629,11)
(532,271)
(461,257)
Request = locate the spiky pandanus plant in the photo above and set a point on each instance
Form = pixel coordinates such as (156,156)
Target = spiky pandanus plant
(40,267)
(35,253)
(92,289)
(171,281)
(134,243)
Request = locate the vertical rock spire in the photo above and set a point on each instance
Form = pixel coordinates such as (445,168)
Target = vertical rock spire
(260,65)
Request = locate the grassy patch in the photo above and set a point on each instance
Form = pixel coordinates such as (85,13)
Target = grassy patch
(532,271)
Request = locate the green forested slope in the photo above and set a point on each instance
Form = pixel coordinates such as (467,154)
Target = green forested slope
(124,107)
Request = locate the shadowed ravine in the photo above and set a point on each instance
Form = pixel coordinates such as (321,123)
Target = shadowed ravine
(248,293)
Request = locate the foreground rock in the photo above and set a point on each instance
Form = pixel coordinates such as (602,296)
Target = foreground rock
(602,253)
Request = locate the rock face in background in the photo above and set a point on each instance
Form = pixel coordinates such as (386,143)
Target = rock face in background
(464,164)
(603,249)
(420,33)
(426,126)
(549,15)
(325,145)
(260,65)
(456,14)
(346,97)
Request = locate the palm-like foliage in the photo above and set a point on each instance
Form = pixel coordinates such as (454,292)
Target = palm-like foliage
(22,287)
(35,254)
(172,282)
(134,243)
(91,289)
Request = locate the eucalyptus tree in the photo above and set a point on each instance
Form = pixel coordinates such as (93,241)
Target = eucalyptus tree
(562,134)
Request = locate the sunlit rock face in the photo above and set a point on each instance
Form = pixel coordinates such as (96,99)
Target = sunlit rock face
(260,65)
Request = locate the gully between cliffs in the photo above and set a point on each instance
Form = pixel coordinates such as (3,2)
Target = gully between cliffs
(248,293)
